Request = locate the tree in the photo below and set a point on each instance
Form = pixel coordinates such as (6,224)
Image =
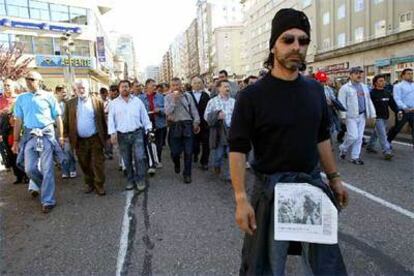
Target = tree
(13,65)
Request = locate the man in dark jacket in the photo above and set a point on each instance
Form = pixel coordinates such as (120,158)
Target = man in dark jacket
(382,99)
(201,143)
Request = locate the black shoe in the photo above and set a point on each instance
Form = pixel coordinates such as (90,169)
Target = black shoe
(177,168)
(342,154)
(195,159)
(371,150)
(18,181)
(26,180)
(34,193)
(204,167)
(47,208)
(357,162)
(187,179)
(388,156)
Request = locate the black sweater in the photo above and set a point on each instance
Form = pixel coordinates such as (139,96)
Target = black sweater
(284,121)
(382,99)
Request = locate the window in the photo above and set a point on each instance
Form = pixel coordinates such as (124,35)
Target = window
(43,45)
(341,40)
(358,5)
(25,41)
(39,10)
(306,3)
(326,43)
(81,48)
(378,1)
(2,7)
(4,40)
(60,13)
(341,11)
(18,8)
(380,28)
(78,15)
(359,34)
(326,18)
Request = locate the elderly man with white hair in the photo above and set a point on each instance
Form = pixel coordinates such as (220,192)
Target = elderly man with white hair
(37,111)
(85,127)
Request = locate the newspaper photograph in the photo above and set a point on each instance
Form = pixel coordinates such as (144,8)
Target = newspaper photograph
(304,213)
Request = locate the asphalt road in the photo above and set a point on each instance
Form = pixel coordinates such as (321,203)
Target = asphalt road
(181,229)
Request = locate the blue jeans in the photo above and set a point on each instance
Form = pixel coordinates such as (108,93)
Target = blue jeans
(70,165)
(218,159)
(380,133)
(45,177)
(177,146)
(132,148)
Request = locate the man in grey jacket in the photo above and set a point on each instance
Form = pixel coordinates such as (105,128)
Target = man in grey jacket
(184,121)
(356,99)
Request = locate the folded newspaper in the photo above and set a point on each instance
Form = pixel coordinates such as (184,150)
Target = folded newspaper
(304,213)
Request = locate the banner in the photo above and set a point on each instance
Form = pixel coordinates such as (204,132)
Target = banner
(100,49)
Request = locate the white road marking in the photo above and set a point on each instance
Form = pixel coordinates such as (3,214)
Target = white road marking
(376,199)
(394,142)
(123,243)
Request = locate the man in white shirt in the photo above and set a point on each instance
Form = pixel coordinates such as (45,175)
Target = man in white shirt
(404,97)
(128,122)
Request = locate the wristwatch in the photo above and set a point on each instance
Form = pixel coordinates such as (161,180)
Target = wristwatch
(332,176)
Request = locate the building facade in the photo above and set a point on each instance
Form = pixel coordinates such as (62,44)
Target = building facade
(152,72)
(192,50)
(377,35)
(39,27)
(227,46)
(212,14)
(166,72)
(124,47)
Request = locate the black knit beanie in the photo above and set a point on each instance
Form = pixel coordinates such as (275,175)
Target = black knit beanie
(286,19)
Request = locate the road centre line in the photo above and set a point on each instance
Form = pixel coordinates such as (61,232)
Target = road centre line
(378,200)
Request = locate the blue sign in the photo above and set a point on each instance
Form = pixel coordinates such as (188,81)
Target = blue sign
(382,62)
(100,48)
(38,26)
(63,61)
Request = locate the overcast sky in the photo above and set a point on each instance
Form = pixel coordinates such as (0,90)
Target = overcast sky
(153,23)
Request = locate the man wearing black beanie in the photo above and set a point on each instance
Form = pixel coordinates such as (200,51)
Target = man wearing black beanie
(284,116)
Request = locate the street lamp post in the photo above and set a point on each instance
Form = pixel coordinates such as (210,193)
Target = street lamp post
(68,46)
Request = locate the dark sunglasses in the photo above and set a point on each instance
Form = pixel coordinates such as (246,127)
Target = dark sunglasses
(290,39)
(30,79)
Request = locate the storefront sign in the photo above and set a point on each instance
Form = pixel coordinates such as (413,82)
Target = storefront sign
(337,67)
(382,62)
(402,66)
(405,59)
(38,26)
(100,48)
(63,61)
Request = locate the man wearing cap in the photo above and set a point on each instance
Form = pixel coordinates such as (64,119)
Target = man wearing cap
(356,99)
(37,111)
(284,116)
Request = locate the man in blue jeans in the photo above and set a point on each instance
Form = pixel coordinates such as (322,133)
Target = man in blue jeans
(218,116)
(37,111)
(128,122)
(184,121)
(382,99)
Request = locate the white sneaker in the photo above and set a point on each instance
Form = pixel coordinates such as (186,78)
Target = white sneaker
(141,186)
(247,165)
(159,165)
(151,171)
(64,176)
(73,174)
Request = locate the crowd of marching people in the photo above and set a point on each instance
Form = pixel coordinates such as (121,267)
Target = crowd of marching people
(41,130)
